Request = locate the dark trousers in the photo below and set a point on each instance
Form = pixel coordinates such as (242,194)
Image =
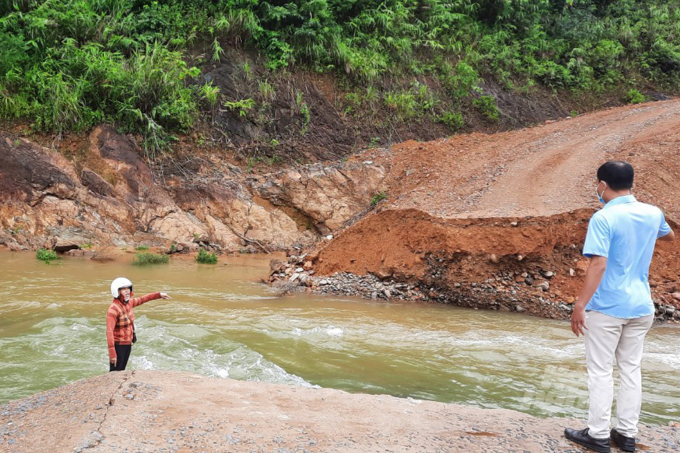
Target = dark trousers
(123,354)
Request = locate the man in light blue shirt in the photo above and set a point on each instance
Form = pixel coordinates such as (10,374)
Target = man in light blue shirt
(615,306)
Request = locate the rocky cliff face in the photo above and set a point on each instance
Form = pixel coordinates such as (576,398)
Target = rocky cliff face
(109,196)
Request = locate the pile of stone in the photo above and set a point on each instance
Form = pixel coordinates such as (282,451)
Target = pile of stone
(521,292)
(298,274)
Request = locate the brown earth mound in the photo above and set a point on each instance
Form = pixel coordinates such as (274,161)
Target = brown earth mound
(499,220)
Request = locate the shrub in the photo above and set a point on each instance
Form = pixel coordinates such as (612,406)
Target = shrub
(453,120)
(46,255)
(459,81)
(242,107)
(145,258)
(635,97)
(142,248)
(206,257)
(377,198)
(487,107)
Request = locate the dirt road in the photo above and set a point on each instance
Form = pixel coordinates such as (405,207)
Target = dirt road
(497,221)
(540,171)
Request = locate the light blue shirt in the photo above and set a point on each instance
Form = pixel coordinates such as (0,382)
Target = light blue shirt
(625,232)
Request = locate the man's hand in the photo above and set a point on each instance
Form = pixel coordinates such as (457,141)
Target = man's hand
(578,321)
(165,296)
(113,361)
(594,275)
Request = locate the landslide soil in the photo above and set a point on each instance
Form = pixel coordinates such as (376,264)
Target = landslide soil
(504,213)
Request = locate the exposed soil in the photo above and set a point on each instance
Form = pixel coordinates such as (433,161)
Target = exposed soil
(498,220)
(151,411)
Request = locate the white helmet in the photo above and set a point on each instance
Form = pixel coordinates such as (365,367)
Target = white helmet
(117,284)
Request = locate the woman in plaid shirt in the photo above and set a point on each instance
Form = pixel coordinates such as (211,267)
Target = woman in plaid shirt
(120,319)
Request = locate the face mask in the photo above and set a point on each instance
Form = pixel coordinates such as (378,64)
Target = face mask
(600,195)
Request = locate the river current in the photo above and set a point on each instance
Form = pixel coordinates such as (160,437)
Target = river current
(222,322)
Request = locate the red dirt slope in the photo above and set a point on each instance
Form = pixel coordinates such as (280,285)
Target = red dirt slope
(498,220)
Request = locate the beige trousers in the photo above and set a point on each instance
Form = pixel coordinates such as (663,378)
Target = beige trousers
(607,338)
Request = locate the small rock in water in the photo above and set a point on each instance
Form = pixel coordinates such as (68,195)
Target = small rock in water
(520,309)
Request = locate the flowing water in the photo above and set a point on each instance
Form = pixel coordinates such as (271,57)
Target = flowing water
(222,323)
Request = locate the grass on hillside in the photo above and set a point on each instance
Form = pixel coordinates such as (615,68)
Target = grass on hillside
(72,64)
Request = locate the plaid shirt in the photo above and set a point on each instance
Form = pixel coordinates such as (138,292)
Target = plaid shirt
(119,320)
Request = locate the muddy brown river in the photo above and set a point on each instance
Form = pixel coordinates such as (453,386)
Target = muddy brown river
(222,322)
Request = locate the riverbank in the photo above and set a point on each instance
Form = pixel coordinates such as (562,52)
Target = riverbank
(493,221)
(152,411)
(498,221)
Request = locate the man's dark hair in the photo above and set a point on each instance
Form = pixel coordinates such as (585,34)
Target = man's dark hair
(617,174)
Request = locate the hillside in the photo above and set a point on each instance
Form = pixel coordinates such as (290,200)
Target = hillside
(273,82)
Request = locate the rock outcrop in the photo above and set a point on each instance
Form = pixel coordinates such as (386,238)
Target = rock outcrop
(152,411)
(109,195)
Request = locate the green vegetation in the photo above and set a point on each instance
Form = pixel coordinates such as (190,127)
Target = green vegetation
(145,258)
(487,107)
(453,120)
(242,107)
(46,255)
(635,97)
(377,198)
(303,110)
(206,257)
(72,64)
(142,248)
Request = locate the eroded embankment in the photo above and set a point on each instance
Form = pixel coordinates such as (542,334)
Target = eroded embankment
(516,264)
(498,221)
